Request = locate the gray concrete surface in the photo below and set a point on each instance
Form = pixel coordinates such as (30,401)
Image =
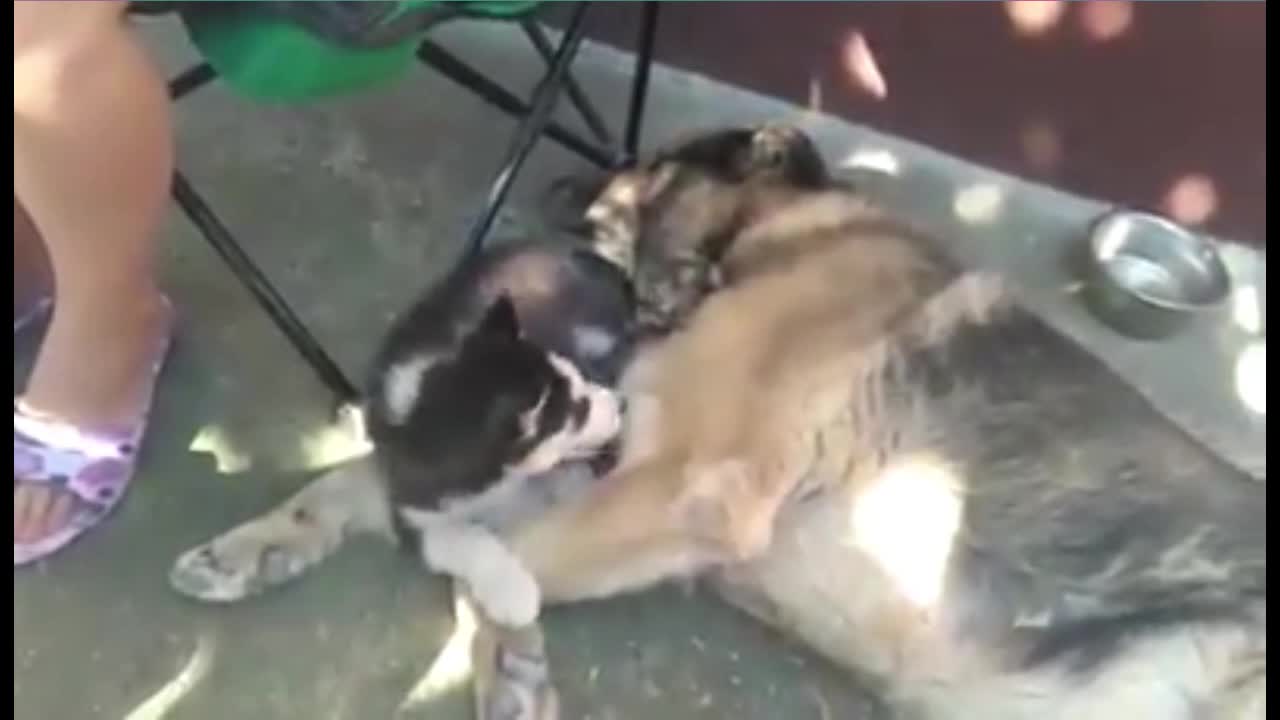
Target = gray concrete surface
(352,206)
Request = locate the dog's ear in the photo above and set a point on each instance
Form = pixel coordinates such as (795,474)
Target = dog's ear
(768,148)
(566,200)
(500,320)
(631,190)
(788,150)
(658,181)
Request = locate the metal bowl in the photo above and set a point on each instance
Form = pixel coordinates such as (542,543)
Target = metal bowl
(1148,277)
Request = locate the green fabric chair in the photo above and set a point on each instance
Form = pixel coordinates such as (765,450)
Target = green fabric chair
(301,51)
(277,51)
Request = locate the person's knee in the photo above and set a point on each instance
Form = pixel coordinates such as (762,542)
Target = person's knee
(54,26)
(57,44)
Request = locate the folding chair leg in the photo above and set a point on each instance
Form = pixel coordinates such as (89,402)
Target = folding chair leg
(192,79)
(530,129)
(243,267)
(596,124)
(640,81)
(450,66)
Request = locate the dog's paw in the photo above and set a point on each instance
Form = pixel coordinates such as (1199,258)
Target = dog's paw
(520,689)
(241,564)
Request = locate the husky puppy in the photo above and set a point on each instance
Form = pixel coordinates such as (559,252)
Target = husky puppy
(494,378)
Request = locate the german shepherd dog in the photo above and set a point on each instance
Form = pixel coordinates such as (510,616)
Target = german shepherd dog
(881,454)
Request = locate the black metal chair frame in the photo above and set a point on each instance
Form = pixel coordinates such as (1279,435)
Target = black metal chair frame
(604,152)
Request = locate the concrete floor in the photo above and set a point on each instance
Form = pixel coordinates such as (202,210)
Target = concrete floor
(351,207)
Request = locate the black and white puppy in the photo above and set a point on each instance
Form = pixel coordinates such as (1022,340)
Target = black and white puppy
(490,398)
(491,386)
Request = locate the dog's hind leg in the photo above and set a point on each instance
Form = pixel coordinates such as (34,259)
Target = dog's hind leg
(814,586)
(285,542)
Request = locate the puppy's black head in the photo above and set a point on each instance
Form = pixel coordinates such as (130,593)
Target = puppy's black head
(668,221)
(499,404)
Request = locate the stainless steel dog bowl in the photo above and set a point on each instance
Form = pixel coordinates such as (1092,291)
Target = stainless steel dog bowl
(1148,277)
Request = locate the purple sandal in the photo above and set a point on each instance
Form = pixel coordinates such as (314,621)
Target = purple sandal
(95,467)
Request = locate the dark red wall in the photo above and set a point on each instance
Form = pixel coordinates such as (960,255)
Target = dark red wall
(1115,100)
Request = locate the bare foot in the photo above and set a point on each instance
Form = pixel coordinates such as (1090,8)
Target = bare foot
(96,372)
(39,511)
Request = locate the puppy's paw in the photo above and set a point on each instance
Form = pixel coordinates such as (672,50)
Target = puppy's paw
(513,678)
(521,690)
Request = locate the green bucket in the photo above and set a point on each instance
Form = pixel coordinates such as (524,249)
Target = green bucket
(285,52)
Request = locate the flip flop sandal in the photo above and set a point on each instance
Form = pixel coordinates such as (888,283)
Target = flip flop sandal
(94,467)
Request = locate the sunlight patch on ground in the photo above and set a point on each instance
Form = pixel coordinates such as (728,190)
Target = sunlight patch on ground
(861,67)
(214,441)
(1251,377)
(452,666)
(320,447)
(815,96)
(1106,21)
(979,204)
(1032,18)
(1192,199)
(1246,309)
(330,445)
(162,701)
(876,160)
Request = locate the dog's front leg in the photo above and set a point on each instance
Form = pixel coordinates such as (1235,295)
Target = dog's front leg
(502,588)
(294,536)
(512,679)
(493,590)
(619,535)
(631,530)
